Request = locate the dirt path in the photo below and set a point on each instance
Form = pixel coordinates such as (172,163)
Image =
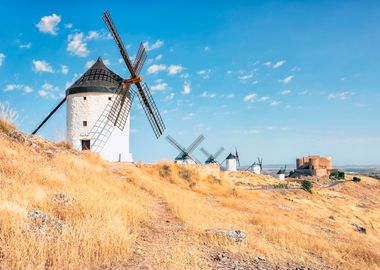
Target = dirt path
(164,241)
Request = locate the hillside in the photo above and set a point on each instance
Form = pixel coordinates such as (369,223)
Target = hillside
(63,209)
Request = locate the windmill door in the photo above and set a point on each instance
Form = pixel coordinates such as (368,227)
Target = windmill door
(86,145)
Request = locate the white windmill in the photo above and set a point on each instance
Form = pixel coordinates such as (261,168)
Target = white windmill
(100,100)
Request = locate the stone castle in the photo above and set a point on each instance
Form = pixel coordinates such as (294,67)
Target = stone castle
(314,165)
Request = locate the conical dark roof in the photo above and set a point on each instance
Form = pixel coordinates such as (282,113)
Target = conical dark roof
(231,156)
(97,78)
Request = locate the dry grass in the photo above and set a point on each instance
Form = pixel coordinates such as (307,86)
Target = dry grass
(282,226)
(93,216)
(7,118)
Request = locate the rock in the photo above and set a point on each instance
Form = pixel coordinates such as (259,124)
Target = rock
(236,235)
(44,225)
(38,216)
(360,229)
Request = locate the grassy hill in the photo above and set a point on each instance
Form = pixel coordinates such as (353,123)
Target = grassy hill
(63,209)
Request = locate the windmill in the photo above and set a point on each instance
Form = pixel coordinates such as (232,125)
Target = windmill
(232,161)
(256,167)
(212,158)
(185,156)
(104,99)
(281,173)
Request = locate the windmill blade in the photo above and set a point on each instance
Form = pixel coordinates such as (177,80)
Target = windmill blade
(121,106)
(150,109)
(112,28)
(175,144)
(237,156)
(194,159)
(49,115)
(207,154)
(140,59)
(196,143)
(221,149)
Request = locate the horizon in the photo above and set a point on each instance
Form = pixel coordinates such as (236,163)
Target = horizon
(279,80)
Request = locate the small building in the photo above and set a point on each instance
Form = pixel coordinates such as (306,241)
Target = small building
(281,174)
(184,159)
(231,163)
(313,166)
(257,169)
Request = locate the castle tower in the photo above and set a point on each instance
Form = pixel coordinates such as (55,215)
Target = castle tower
(88,102)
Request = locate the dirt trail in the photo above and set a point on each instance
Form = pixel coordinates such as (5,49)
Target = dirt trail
(165,242)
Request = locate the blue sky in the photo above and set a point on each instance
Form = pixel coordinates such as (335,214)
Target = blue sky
(276,79)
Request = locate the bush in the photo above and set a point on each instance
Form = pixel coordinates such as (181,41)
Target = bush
(165,171)
(337,175)
(356,179)
(280,186)
(307,185)
(185,175)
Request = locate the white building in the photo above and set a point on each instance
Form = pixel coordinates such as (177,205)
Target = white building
(257,169)
(88,103)
(281,174)
(231,163)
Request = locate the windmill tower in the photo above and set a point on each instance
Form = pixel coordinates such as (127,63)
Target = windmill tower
(281,173)
(256,167)
(100,100)
(232,162)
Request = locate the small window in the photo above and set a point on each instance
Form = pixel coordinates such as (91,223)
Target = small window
(86,145)
(84,98)
(109,98)
(85,123)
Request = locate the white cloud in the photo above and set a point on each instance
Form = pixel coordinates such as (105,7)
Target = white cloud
(279,63)
(285,92)
(185,76)
(174,69)
(264,98)
(275,103)
(156,45)
(26,45)
(186,88)
(68,25)
(206,49)
(250,97)
(187,116)
(159,87)
(156,68)
(42,66)
(107,62)
(64,69)
(89,64)
(25,88)
(92,35)
(229,72)
(286,80)
(208,95)
(2,57)
(169,97)
(158,57)
(255,82)
(48,24)
(205,73)
(230,95)
(303,92)
(50,91)
(340,95)
(76,45)
(268,64)
(245,77)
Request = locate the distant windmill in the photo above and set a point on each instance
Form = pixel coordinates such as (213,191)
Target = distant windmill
(256,167)
(101,100)
(185,156)
(212,158)
(281,173)
(232,161)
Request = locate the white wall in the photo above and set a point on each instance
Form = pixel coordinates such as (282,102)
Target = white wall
(79,110)
(231,165)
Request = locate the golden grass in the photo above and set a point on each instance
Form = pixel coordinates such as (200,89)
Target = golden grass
(293,225)
(93,215)
(7,117)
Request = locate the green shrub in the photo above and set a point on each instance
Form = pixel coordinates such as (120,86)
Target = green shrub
(280,185)
(165,171)
(307,185)
(356,179)
(337,175)
(185,175)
